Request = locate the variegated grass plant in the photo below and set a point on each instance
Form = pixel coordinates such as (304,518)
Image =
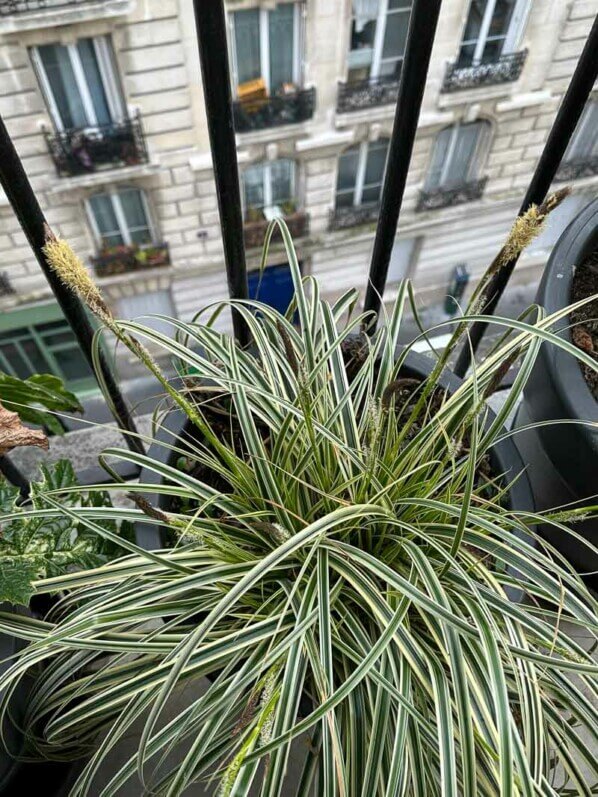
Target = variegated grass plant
(349,592)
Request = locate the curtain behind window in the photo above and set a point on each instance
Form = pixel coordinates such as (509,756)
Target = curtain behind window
(247,44)
(281,22)
(105,219)
(65,92)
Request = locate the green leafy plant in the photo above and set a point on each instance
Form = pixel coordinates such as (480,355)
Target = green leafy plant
(344,578)
(33,546)
(37,398)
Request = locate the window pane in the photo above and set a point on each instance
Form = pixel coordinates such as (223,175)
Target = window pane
(376,160)
(347,175)
(247,44)
(371,194)
(135,215)
(501,18)
(281,24)
(461,167)
(105,219)
(472,31)
(281,173)
(143,304)
(584,143)
(253,183)
(60,75)
(395,35)
(72,363)
(363,34)
(393,4)
(93,77)
(438,158)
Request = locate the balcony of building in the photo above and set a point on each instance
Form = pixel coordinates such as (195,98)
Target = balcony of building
(123,259)
(463,75)
(256,224)
(342,218)
(355,95)
(446,197)
(258,110)
(23,15)
(80,151)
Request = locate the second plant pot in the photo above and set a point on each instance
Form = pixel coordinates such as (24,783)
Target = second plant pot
(562,454)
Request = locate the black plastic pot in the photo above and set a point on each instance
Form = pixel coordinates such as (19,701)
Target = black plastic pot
(563,458)
(505,457)
(15,776)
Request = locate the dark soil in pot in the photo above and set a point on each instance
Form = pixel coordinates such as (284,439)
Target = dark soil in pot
(562,458)
(584,331)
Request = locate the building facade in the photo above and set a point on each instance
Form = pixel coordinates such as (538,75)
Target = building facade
(103,99)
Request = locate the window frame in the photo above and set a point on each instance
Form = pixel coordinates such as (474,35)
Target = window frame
(266,167)
(123,228)
(104,53)
(264,38)
(512,37)
(360,171)
(381,21)
(477,159)
(577,139)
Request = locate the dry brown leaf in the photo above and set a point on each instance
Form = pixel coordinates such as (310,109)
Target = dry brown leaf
(14,434)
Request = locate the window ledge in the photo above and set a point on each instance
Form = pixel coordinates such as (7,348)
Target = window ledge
(64,13)
(103,177)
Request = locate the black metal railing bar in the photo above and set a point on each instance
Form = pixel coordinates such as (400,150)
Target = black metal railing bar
(568,115)
(33,223)
(210,21)
(420,38)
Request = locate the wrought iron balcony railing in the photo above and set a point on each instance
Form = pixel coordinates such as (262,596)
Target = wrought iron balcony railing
(10,7)
(355,95)
(254,232)
(84,150)
(446,197)
(344,217)
(123,259)
(504,70)
(279,109)
(576,168)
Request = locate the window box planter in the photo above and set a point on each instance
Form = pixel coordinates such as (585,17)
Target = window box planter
(562,456)
(124,259)
(346,217)
(255,231)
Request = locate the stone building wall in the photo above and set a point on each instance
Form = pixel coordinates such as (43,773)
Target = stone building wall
(156,52)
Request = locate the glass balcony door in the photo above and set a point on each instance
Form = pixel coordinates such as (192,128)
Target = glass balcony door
(493,29)
(378,37)
(361,174)
(79,83)
(457,155)
(265,46)
(120,218)
(269,189)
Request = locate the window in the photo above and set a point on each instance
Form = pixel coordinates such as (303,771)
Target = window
(401,259)
(458,155)
(120,217)
(46,347)
(269,189)
(265,44)
(141,305)
(361,173)
(79,83)
(378,38)
(493,28)
(584,143)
